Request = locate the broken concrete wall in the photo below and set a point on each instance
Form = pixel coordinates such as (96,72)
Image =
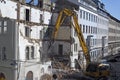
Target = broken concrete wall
(64,30)
(47,4)
(8,9)
(19,13)
(35,14)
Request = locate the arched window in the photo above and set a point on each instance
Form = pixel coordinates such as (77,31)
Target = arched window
(2,76)
(27,53)
(29,76)
(32,52)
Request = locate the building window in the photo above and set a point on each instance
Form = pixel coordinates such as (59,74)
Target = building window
(93,30)
(93,55)
(83,28)
(4,53)
(27,53)
(89,29)
(93,18)
(83,14)
(41,34)
(5,23)
(27,31)
(41,3)
(86,15)
(75,33)
(89,16)
(80,13)
(75,47)
(29,76)
(93,42)
(5,27)
(60,49)
(32,52)
(96,30)
(27,15)
(41,18)
(0,29)
(86,29)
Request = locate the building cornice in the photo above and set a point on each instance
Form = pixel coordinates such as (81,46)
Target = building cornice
(88,8)
(30,5)
(113,18)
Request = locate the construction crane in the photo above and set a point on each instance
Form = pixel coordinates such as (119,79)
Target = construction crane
(96,70)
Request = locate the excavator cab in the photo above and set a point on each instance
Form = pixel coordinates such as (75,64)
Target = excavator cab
(98,70)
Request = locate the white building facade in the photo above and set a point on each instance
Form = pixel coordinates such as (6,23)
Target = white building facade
(21,47)
(114,36)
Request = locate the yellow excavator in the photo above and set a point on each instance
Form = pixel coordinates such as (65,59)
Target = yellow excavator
(98,71)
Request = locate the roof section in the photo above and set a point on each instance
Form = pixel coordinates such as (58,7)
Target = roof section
(67,3)
(117,20)
(91,2)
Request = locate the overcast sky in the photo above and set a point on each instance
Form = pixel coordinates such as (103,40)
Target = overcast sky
(113,7)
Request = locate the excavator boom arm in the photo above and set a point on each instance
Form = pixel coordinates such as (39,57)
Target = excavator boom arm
(60,20)
(62,15)
(81,40)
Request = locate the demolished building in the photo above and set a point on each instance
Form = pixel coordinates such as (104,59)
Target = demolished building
(22,28)
(26,30)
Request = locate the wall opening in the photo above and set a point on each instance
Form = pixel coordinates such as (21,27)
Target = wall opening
(27,53)
(60,49)
(2,76)
(4,53)
(27,31)
(27,15)
(32,52)
(41,3)
(29,76)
